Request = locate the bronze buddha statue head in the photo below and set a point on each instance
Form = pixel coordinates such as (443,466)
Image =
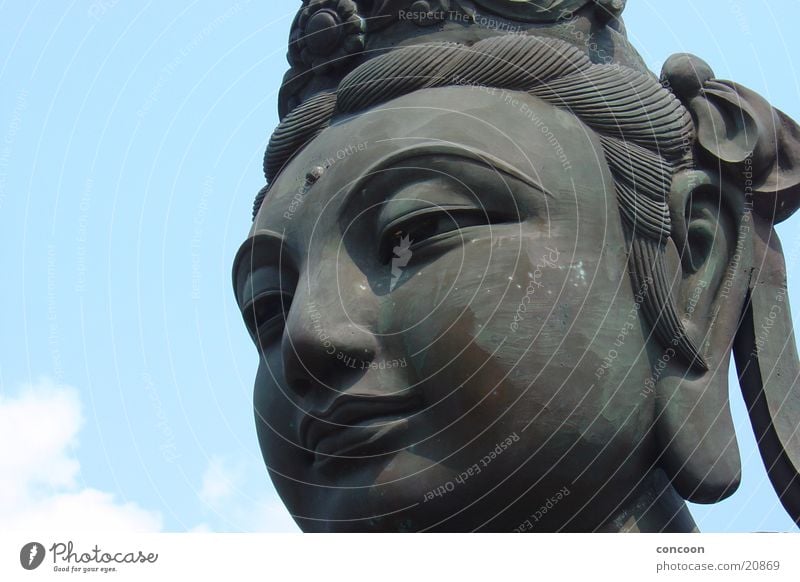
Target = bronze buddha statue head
(497,274)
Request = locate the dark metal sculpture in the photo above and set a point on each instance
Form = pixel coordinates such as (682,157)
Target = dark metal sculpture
(498,271)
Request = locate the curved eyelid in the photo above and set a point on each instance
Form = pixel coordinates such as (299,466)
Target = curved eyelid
(264,281)
(264,249)
(264,295)
(277,306)
(456,214)
(386,223)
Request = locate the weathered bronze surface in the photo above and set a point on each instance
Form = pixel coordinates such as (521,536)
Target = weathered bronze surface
(499,269)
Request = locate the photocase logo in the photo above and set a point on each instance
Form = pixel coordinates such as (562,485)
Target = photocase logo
(31,555)
(402,254)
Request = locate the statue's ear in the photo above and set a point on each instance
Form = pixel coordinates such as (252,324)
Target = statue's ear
(694,426)
(754,151)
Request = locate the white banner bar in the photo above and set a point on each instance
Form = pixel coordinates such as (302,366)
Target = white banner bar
(401,558)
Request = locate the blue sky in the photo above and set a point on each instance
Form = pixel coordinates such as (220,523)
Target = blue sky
(131,138)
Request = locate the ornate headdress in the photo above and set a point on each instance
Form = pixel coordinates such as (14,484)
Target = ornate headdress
(329,38)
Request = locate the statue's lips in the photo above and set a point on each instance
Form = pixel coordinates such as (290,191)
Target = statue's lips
(357,424)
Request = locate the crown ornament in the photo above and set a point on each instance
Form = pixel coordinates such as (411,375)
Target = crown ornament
(325,33)
(329,38)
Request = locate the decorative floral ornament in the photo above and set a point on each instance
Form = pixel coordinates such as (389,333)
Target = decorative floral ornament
(429,12)
(533,11)
(325,33)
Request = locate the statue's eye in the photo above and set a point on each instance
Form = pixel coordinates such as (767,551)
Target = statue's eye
(411,232)
(266,314)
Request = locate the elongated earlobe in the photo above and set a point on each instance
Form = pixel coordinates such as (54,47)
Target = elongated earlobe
(693,420)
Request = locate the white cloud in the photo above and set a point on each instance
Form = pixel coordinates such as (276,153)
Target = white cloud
(227,491)
(219,480)
(39,485)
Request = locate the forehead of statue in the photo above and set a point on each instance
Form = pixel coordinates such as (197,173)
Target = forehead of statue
(526,134)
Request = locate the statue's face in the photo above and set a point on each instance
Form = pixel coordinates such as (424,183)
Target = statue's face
(441,360)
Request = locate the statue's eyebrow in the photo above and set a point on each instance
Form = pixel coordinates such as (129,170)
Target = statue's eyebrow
(443,148)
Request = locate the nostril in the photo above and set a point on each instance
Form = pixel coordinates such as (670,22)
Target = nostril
(300,386)
(317,353)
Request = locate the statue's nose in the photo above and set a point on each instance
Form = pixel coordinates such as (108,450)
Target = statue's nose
(328,340)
